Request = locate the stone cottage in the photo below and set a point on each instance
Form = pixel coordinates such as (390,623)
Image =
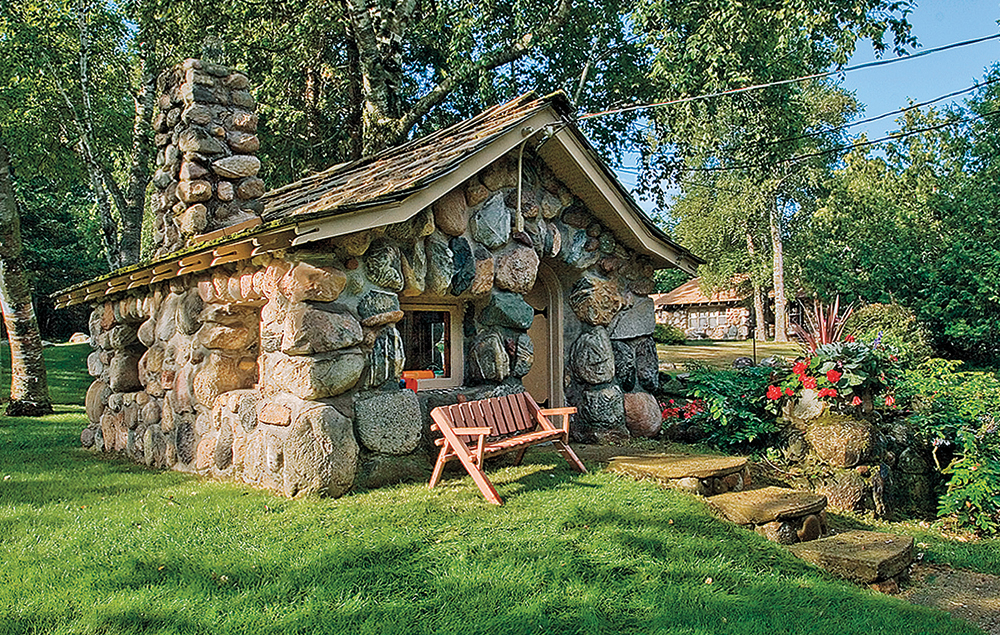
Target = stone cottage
(266,339)
(722,316)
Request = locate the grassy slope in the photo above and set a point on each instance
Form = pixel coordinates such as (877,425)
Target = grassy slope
(721,354)
(97,545)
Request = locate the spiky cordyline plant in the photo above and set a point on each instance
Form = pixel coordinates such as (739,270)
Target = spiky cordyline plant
(824,324)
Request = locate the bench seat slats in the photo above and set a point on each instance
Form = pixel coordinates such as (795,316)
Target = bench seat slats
(531,438)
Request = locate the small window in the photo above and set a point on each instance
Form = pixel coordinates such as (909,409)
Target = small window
(432,341)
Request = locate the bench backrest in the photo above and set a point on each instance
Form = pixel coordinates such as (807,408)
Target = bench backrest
(505,415)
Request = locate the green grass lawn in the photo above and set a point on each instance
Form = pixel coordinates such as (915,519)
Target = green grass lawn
(720,354)
(66,368)
(97,545)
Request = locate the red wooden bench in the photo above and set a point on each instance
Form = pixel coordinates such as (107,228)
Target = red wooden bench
(512,423)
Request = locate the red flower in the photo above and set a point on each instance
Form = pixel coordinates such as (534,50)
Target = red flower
(801,367)
(833,376)
(849,338)
(809,382)
(856,401)
(827,392)
(773,393)
(890,400)
(789,392)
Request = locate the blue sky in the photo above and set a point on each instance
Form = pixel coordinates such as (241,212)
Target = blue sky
(886,88)
(935,23)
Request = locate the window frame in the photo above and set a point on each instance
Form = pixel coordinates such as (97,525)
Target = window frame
(456,354)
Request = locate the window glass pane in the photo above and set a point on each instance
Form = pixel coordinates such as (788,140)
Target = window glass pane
(426,341)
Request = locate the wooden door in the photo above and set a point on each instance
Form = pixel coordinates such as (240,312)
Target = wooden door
(538,381)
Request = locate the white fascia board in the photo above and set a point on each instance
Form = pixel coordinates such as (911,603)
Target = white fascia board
(574,164)
(361,220)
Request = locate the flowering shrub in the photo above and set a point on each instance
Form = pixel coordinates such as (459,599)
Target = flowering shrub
(846,374)
(672,411)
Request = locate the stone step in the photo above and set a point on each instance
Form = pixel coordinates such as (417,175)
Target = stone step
(867,557)
(782,515)
(697,474)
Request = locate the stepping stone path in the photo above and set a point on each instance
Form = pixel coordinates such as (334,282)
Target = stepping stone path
(785,516)
(866,557)
(695,474)
(790,517)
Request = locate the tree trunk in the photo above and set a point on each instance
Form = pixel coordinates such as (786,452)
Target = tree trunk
(132,205)
(777,250)
(29,389)
(760,325)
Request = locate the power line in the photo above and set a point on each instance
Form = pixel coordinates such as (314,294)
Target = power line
(884,115)
(845,148)
(782,82)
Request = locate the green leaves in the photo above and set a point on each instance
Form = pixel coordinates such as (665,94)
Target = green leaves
(735,417)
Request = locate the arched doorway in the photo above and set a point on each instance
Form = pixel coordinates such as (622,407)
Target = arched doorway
(544,380)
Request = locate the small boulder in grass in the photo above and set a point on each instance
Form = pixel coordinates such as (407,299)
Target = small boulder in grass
(742,362)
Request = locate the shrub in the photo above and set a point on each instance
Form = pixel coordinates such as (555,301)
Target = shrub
(960,411)
(893,326)
(731,407)
(668,334)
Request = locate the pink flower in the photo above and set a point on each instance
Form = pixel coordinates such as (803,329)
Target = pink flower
(833,376)
(856,401)
(890,400)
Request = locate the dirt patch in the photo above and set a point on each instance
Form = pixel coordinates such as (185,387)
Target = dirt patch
(973,597)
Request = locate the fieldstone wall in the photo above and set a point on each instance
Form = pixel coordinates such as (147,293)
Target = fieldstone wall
(206,177)
(283,372)
(860,463)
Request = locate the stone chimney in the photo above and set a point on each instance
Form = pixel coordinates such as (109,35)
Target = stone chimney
(206,175)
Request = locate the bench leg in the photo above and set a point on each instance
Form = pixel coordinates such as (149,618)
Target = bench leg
(468,462)
(439,466)
(567,453)
(483,483)
(520,455)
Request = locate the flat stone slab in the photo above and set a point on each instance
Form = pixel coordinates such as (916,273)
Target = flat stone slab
(860,556)
(768,504)
(676,466)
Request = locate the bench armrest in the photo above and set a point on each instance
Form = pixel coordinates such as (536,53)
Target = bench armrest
(557,412)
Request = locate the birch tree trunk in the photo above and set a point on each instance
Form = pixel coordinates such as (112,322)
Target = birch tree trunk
(760,326)
(29,390)
(121,207)
(778,268)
